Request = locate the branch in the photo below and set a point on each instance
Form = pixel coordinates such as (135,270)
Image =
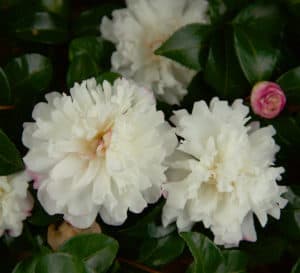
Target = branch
(7,107)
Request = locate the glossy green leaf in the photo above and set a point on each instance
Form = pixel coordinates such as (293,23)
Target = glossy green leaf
(41,27)
(290,83)
(157,252)
(262,18)
(141,227)
(26,266)
(82,68)
(287,132)
(98,253)
(5,93)
(115,268)
(10,159)
(207,256)
(88,22)
(90,45)
(29,72)
(107,76)
(219,10)
(156,231)
(58,7)
(97,48)
(256,56)
(60,263)
(235,261)
(296,268)
(222,71)
(186,45)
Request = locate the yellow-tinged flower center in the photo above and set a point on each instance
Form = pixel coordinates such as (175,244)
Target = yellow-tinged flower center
(99,144)
(153,45)
(2,192)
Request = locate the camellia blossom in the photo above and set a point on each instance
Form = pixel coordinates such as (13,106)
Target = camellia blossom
(100,150)
(267,99)
(222,172)
(138,30)
(15,203)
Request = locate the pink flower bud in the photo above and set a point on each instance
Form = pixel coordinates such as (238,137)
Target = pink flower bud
(267,99)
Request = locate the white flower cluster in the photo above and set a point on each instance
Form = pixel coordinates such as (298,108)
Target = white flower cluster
(99,150)
(138,30)
(222,173)
(15,203)
(105,149)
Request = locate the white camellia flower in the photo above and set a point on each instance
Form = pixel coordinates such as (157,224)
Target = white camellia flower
(15,203)
(100,150)
(138,30)
(222,172)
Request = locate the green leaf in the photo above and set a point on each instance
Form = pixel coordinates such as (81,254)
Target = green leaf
(217,10)
(10,160)
(97,48)
(296,268)
(98,253)
(58,7)
(140,229)
(207,256)
(156,231)
(287,132)
(262,18)
(290,83)
(60,263)
(257,56)
(222,9)
(90,45)
(26,266)
(157,252)
(222,71)
(89,21)
(5,93)
(107,76)
(186,45)
(29,72)
(41,27)
(81,68)
(235,261)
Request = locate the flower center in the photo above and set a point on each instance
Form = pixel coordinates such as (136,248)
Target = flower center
(273,103)
(153,45)
(102,142)
(2,191)
(98,145)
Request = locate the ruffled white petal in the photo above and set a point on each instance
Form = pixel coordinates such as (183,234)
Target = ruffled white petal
(15,203)
(222,172)
(138,30)
(101,149)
